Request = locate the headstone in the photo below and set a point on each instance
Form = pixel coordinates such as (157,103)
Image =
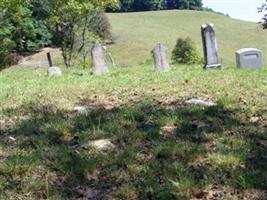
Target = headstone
(81,109)
(99,65)
(200,102)
(160,55)
(54,71)
(249,58)
(210,46)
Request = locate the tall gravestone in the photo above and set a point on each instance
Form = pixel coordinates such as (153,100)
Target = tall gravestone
(99,65)
(160,56)
(249,58)
(210,46)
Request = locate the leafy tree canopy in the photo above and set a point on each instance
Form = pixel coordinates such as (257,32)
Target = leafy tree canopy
(143,5)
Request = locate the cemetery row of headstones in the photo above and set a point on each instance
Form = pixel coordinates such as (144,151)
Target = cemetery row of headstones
(245,58)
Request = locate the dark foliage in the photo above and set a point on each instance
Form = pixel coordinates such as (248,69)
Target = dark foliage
(263,9)
(145,5)
(185,52)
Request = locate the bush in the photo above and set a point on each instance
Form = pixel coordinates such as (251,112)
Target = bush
(6,56)
(98,24)
(185,52)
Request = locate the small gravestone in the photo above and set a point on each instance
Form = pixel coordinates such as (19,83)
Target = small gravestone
(54,71)
(200,102)
(102,144)
(99,65)
(210,46)
(160,56)
(249,58)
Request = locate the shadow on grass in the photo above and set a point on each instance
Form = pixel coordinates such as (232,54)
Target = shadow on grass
(161,152)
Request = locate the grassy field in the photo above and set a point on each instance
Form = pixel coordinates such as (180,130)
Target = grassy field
(163,148)
(137,33)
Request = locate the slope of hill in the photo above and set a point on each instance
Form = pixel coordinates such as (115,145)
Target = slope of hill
(136,34)
(155,145)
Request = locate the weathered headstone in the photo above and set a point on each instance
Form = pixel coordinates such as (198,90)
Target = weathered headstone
(249,58)
(160,56)
(54,71)
(99,65)
(210,46)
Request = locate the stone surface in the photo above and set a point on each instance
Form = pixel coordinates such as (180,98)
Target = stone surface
(160,56)
(200,102)
(249,58)
(99,65)
(81,109)
(254,119)
(54,71)
(102,145)
(210,46)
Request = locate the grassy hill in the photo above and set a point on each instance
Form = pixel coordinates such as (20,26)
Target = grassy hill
(137,33)
(162,147)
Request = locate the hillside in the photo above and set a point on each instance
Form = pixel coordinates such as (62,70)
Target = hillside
(131,134)
(137,33)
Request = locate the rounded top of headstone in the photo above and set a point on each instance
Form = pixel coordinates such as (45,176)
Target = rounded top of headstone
(207,25)
(245,50)
(159,47)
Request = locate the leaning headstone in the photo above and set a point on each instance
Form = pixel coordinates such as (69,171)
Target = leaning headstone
(249,58)
(210,46)
(99,65)
(54,71)
(160,56)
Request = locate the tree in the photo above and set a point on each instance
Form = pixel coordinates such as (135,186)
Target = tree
(144,5)
(26,31)
(263,9)
(20,30)
(70,21)
(126,5)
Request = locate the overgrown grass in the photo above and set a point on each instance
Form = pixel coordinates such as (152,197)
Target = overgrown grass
(164,149)
(137,33)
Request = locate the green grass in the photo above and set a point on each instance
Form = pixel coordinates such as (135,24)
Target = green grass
(209,151)
(137,33)
(164,149)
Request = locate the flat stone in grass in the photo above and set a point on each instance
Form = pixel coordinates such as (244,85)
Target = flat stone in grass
(160,56)
(200,102)
(81,109)
(54,71)
(210,46)
(102,144)
(249,58)
(99,65)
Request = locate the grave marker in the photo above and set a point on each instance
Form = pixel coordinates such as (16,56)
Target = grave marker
(249,58)
(210,46)
(99,65)
(160,56)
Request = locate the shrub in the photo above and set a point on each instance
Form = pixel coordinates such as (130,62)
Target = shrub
(7,58)
(99,25)
(185,52)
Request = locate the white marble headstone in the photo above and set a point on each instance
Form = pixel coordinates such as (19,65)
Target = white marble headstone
(210,46)
(249,58)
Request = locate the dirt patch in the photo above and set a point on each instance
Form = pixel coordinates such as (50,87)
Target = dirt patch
(39,59)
